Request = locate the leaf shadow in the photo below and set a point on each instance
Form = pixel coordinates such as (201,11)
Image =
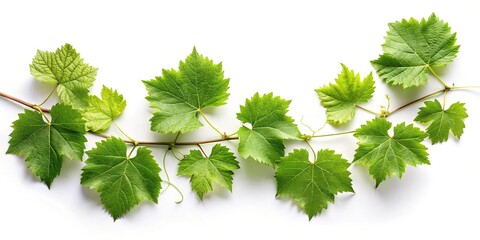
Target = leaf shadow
(255,171)
(340,199)
(219,192)
(291,205)
(393,188)
(399,190)
(138,212)
(29,176)
(363,172)
(91,196)
(69,168)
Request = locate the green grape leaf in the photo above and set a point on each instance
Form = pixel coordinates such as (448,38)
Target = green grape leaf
(387,155)
(270,125)
(45,144)
(177,97)
(101,112)
(121,180)
(412,48)
(218,168)
(340,99)
(312,185)
(442,121)
(66,69)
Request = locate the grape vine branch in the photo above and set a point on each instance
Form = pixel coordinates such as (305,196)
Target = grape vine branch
(412,51)
(230,138)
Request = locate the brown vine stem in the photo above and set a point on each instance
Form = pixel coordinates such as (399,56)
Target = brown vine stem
(24,103)
(419,99)
(224,136)
(168,143)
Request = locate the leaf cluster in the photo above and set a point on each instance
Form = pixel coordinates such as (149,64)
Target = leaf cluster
(178,98)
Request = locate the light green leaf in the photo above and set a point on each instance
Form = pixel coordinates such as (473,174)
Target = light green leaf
(121,180)
(218,168)
(176,97)
(101,112)
(270,125)
(66,69)
(387,155)
(340,99)
(44,145)
(442,121)
(412,47)
(312,185)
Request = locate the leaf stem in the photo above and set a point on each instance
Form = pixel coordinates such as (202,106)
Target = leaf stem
(230,135)
(43,114)
(333,134)
(437,77)
(367,110)
(49,95)
(311,148)
(176,138)
(464,87)
(201,149)
(444,99)
(133,141)
(131,151)
(211,125)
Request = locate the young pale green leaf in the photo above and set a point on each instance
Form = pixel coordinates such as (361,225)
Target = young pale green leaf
(45,144)
(121,180)
(177,97)
(387,155)
(312,185)
(270,125)
(340,99)
(218,168)
(66,69)
(442,121)
(412,47)
(101,112)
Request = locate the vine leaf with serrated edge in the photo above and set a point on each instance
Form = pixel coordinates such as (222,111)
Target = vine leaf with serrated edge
(387,155)
(218,168)
(270,125)
(66,69)
(45,144)
(340,99)
(442,121)
(177,97)
(412,48)
(312,185)
(122,182)
(101,112)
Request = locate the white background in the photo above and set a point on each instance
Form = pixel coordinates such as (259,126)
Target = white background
(285,47)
